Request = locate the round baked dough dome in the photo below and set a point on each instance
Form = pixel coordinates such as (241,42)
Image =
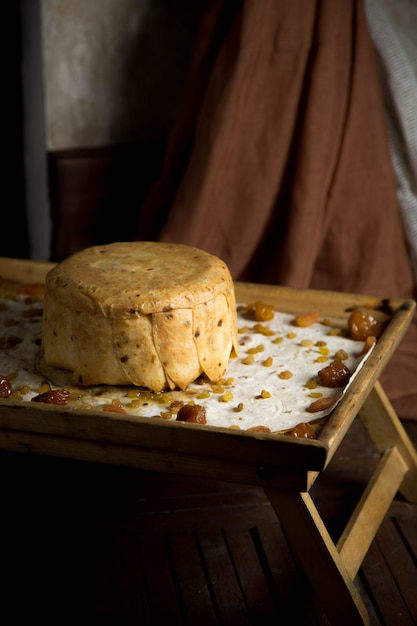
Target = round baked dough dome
(149,314)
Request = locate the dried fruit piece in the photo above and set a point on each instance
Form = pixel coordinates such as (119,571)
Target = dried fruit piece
(227,396)
(303,430)
(369,342)
(202,396)
(53,396)
(7,343)
(32,289)
(5,387)
(194,413)
(341,355)
(321,404)
(263,312)
(256,349)
(263,330)
(306,319)
(32,312)
(259,429)
(114,407)
(248,360)
(363,323)
(176,405)
(336,374)
(263,395)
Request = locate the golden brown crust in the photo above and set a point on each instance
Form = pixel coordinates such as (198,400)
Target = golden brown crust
(213,335)
(99,323)
(172,334)
(127,278)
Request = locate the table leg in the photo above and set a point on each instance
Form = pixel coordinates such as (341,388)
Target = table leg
(387,431)
(318,557)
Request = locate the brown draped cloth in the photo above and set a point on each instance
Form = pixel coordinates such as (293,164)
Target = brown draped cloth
(279,160)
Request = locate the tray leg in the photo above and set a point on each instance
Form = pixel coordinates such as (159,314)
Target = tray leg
(387,431)
(331,568)
(318,557)
(370,511)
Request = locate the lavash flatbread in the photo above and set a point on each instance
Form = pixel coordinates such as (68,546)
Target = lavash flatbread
(145,313)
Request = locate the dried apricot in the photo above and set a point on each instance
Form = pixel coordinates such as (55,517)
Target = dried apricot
(369,342)
(306,319)
(194,413)
(5,387)
(321,404)
(303,431)
(53,396)
(113,407)
(336,374)
(32,289)
(259,429)
(362,324)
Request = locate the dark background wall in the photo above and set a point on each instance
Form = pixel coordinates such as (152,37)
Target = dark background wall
(94,91)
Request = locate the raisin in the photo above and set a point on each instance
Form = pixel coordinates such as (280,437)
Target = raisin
(337,374)
(362,324)
(263,312)
(5,387)
(341,355)
(176,404)
(194,413)
(53,396)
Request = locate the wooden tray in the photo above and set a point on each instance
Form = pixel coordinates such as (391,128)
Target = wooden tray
(285,466)
(226,454)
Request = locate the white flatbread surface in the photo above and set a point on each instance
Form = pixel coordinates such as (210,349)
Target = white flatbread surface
(274,391)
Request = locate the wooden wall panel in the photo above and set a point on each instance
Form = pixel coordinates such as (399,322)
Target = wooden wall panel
(96,194)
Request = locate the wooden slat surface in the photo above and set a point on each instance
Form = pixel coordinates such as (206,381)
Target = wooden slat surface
(111,546)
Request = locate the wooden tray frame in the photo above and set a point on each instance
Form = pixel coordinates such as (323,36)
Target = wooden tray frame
(286,467)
